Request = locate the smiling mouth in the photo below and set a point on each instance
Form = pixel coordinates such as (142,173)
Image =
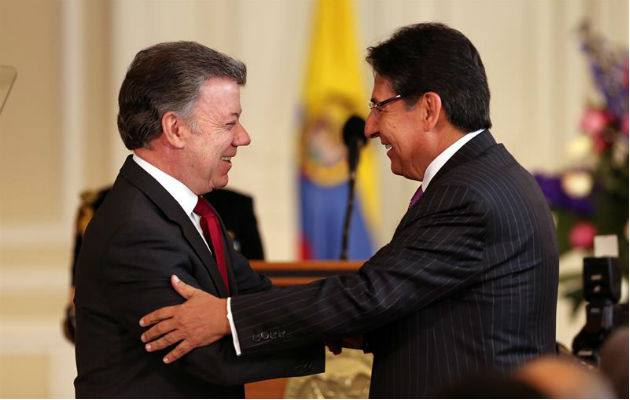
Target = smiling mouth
(227,159)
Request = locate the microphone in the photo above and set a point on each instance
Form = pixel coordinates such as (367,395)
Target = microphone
(354,139)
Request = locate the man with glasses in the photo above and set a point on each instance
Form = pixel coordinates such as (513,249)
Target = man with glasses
(179,109)
(469,279)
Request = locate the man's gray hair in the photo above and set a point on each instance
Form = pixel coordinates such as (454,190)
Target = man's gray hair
(167,77)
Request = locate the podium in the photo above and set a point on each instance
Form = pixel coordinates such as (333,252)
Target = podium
(297,273)
(301,272)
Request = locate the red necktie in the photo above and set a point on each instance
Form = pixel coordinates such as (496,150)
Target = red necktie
(212,232)
(416,197)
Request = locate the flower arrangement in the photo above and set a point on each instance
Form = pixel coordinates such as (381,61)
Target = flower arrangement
(591,197)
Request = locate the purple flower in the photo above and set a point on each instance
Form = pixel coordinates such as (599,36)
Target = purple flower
(558,199)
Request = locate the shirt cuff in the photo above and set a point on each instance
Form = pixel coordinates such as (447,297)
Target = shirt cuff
(237,345)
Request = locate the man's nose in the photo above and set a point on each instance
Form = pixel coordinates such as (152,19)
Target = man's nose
(371,125)
(242,137)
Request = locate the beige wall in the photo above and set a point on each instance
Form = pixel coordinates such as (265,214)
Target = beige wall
(58,134)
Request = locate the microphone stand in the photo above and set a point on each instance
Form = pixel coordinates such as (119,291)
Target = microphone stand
(354,139)
(346,222)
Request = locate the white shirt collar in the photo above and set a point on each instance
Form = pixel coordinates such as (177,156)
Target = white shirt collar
(439,161)
(186,198)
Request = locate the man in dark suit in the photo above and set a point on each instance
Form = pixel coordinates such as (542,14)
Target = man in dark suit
(179,109)
(469,279)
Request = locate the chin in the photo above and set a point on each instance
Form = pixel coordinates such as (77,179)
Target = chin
(396,170)
(220,184)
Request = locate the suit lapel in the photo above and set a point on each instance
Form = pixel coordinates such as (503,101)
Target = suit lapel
(173,212)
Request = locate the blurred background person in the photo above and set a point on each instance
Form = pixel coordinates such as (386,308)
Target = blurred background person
(614,361)
(562,378)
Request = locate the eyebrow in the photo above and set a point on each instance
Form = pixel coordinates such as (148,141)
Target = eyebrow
(236,115)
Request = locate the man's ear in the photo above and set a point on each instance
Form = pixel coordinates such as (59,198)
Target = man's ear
(433,107)
(173,130)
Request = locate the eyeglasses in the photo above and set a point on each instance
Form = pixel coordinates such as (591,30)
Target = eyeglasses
(379,106)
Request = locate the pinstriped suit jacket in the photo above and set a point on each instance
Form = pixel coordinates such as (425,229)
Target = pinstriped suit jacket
(468,281)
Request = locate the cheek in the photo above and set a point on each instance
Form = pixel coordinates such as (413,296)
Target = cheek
(393,132)
(212,150)
(221,143)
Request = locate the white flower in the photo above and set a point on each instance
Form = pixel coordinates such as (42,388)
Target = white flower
(577,183)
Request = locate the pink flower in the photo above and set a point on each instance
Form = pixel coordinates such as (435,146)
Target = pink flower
(594,121)
(582,235)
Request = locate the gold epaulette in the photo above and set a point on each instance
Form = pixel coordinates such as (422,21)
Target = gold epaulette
(86,210)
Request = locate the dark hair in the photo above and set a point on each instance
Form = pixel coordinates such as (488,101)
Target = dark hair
(167,77)
(432,57)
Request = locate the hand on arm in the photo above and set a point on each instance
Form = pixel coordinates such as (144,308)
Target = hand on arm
(199,321)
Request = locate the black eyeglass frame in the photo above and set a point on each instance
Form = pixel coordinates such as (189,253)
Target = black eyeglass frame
(379,106)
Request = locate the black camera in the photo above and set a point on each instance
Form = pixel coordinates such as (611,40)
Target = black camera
(602,290)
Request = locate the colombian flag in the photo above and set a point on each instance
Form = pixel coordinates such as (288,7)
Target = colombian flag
(332,92)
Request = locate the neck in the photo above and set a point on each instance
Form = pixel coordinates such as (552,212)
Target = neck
(164,162)
(447,137)
(444,135)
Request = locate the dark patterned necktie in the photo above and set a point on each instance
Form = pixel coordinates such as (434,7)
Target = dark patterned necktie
(416,197)
(212,232)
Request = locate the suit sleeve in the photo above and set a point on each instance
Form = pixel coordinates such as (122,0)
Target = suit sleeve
(428,259)
(139,262)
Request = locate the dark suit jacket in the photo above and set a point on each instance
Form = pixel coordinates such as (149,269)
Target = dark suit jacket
(468,281)
(236,211)
(137,239)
